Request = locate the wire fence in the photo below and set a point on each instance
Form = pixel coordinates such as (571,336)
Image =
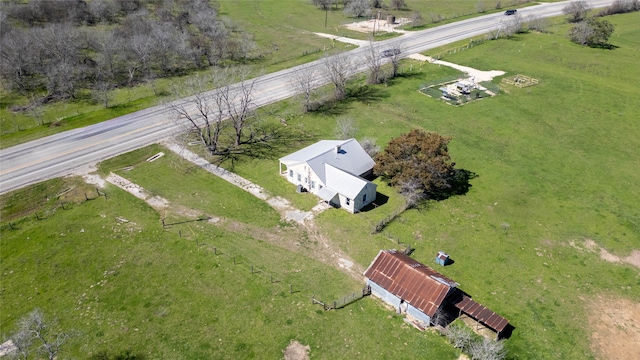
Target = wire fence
(238,260)
(342,301)
(60,204)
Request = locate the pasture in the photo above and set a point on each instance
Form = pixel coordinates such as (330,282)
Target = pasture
(555,163)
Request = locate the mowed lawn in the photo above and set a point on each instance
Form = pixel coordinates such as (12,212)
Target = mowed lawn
(555,164)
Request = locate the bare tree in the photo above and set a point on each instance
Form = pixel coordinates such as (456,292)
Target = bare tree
(240,107)
(536,23)
(398,4)
(358,8)
(396,50)
(576,11)
(141,46)
(345,128)
(513,25)
(58,49)
(486,349)
(22,340)
(102,91)
(480,8)
(322,4)
(305,81)
(337,70)
(459,336)
(200,111)
(374,63)
(109,55)
(35,109)
(440,318)
(17,55)
(416,19)
(412,192)
(370,147)
(34,328)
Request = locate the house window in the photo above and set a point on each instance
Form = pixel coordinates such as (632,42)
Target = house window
(348,201)
(306,181)
(291,173)
(313,184)
(364,197)
(299,177)
(319,187)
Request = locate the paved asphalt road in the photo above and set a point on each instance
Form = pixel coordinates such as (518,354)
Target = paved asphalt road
(60,154)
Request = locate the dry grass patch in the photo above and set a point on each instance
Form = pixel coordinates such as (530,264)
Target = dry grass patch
(615,329)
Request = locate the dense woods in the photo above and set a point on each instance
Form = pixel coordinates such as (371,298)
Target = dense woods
(55,49)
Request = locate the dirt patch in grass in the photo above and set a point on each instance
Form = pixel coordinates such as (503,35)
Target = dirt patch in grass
(296,351)
(591,246)
(615,331)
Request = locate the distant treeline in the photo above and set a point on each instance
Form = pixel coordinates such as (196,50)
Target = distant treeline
(57,48)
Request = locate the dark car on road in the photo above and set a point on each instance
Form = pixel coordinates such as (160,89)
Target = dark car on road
(390,53)
(510,12)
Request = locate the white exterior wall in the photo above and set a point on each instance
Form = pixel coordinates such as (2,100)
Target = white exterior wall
(357,203)
(370,191)
(305,172)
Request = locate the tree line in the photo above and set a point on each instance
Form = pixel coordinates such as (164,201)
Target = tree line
(52,50)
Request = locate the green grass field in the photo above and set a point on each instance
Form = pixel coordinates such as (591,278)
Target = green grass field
(556,165)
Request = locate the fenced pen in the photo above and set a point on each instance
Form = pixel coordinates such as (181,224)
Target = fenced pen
(520,81)
(343,301)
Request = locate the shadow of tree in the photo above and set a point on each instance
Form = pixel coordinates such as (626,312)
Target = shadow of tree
(366,94)
(269,141)
(459,184)
(362,93)
(124,355)
(604,46)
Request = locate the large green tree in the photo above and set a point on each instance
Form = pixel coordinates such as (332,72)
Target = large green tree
(592,32)
(418,163)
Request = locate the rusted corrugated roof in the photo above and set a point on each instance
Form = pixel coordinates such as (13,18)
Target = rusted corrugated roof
(482,313)
(411,281)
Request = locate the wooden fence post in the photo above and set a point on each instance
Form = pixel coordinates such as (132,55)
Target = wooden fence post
(215,251)
(290,288)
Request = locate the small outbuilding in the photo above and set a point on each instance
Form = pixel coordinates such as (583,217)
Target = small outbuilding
(442,258)
(409,286)
(422,293)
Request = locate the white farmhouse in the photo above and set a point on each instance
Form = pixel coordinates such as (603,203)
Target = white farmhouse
(334,170)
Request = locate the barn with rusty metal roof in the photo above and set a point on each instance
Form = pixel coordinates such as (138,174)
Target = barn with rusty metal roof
(420,292)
